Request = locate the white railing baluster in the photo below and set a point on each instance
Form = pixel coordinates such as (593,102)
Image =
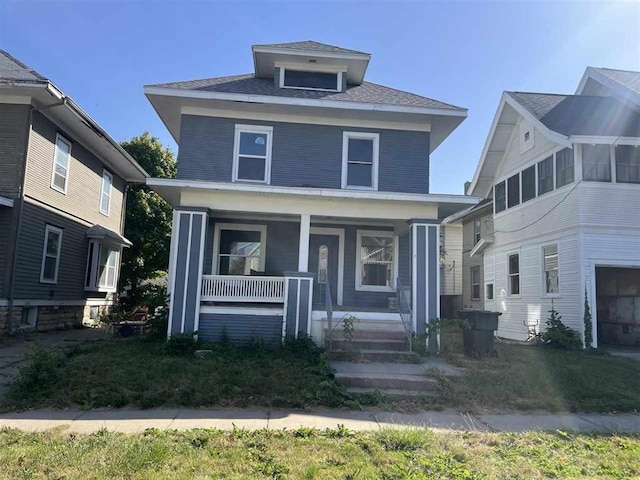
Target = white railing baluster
(237,288)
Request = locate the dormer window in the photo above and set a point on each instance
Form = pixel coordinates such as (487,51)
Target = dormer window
(311,80)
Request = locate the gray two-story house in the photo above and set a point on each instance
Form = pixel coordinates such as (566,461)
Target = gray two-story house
(62,200)
(302,197)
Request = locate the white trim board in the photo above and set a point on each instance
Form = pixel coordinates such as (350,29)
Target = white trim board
(339,232)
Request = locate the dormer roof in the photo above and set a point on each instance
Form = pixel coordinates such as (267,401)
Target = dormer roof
(309,53)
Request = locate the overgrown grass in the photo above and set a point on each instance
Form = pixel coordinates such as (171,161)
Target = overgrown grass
(142,374)
(314,454)
(528,377)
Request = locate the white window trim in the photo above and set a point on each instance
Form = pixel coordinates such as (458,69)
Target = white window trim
(236,151)
(394,263)
(60,138)
(241,227)
(50,228)
(345,158)
(544,277)
(303,68)
(509,294)
(92,273)
(106,173)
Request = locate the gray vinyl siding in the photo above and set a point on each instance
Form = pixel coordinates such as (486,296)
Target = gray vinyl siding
(14,124)
(73,257)
(84,181)
(303,155)
(240,328)
(6,215)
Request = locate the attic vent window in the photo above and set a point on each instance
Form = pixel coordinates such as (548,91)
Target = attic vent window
(526,136)
(311,80)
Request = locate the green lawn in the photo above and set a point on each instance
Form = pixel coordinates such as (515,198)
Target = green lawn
(312,454)
(140,373)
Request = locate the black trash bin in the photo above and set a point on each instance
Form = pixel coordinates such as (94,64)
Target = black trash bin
(477,337)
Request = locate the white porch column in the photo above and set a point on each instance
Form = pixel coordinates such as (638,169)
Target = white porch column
(303,255)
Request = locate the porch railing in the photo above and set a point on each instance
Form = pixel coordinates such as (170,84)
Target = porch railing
(404,308)
(238,288)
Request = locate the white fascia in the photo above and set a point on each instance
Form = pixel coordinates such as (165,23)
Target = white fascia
(301,102)
(604,140)
(311,53)
(316,192)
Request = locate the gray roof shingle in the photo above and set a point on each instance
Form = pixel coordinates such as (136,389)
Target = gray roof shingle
(13,70)
(311,46)
(629,79)
(366,93)
(581,114)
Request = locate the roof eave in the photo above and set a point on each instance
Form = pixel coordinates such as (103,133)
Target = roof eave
(310,53)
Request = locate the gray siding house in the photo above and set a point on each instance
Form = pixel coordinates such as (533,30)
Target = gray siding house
(302,197)
(62,198)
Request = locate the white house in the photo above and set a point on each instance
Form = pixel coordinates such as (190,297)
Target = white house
(564,175)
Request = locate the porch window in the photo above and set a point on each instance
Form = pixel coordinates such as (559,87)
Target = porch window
(500,197)
(252,154)
(61,159)
(564,167)
(360,153)
(545,175)
(550,267)
(103,260)
(240,249)
(513,190)
(596,163)
(475,283)
(627,164)
(514,274)
(375,265)
(529,183)
(51,254)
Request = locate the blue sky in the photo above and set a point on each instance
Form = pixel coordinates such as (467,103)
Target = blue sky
(465,53)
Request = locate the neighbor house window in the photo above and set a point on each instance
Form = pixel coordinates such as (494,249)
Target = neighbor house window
(375,265)
(311,80)
(500,197)
(564,167)
(596,163)
(360,160)
(545,175)
(252,154)
(51,254)
(550,267)
(476,230)
(475,283)
(105,197)
(61,159)
(240,249)
(513,190)
(627,164)
(529,183)
(489,291)
(514,274)
(103,260)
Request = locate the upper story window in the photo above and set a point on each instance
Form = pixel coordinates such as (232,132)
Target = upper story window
(51,254)
(500,197)
(105,196)
(360,152)
(529,183)
(310,80)
(596,163)
(252,154)
(564,167)
(476,230)
(545,175)
(513,190)
(627,164)
(61,160)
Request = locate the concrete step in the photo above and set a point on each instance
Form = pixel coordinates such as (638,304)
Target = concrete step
(367,344)
(364,334)
(373,356)
(416,383)
(392,392)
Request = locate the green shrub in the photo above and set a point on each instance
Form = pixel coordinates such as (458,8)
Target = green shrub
(40,376)
(182,344)
(558,335)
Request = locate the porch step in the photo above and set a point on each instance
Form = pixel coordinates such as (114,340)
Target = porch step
(363,343)
(385,377)
(372,356)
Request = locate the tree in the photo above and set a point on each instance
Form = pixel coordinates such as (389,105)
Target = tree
(148,218)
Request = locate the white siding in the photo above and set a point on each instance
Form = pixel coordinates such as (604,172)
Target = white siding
(451,270)
(609,205)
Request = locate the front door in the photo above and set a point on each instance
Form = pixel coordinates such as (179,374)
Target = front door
(323,261)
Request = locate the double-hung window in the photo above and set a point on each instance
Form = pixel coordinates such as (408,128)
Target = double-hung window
(51,254)
(545,175)
(627,164)
(550,269)
(564,167)
(500,197)
(475,283)
(596,163)
(360,152)
(240,249)
(376,256)
(61,160)
(529,183)
(105,195)
(252,154)
(513,265)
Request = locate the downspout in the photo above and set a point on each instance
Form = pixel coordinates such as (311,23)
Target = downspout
(21,194)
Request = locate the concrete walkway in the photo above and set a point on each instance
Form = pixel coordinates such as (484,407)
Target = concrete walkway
(133,421)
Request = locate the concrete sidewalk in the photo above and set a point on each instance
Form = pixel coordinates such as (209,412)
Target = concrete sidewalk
(133,421)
